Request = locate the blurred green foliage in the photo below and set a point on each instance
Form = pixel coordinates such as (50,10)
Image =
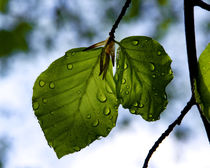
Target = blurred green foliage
(14,39)
(3,6)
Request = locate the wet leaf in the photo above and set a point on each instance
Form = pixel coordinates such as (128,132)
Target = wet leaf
(204,82)
(73,104)
(143,72)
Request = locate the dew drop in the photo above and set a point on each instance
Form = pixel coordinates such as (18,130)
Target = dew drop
(76,148)
(41,83)
(150,115)
(107,111)
(95,123)
(79,92)
(108,130)
(135,42)
(125,66)
(127,92)
(44,101)
(152,66)
(123,81)
(108,89)
(73,53)
(127,87)
(88,116)
(50,143)
(141,105)
(165,96)
(52,85)
(101,97)
(35,105)
(154,76)
(159,53)
(135,104)
(170,72)
(133,111)
(69,66)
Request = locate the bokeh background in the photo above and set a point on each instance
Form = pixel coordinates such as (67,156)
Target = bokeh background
(33,33)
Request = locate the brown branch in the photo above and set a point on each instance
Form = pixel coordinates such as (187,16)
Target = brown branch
(169,130)
(122,13)
(202,4)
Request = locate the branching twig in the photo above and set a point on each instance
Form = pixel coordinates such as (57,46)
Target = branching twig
(202,4)
(122,13)
(168,131)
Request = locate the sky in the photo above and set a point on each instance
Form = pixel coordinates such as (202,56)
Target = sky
(123,148)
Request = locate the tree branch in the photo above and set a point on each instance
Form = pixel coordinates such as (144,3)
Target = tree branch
(122,13)
(202,4)
(191,52)
(169,130)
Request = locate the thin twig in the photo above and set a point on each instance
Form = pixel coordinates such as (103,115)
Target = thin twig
(122,13)
(169,130)
(202,4)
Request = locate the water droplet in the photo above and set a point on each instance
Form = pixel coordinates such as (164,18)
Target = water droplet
(123,81)
(165,96)
(79,92)
(73,53)
(44,101)
(76,148)
(170,72)
(107,111)
(69,66)
(95,123)
(135,104)
(135,42)
(127,92)
(125,66)
(113,124)
(35,105)
(52,85)
(50,143)
(41,83)
(101,97)
(154,76)
(88,116)
(108,89)
(108,130)
(159,53)
(127,87)
(150,115)
(141,105)
(133,111)
(152,66)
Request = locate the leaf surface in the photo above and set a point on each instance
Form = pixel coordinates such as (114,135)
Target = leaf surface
(143,72)
(73,104)
(204,81)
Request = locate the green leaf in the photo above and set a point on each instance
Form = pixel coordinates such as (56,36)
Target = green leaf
(73,104)
(3,5)
(204,82)
(143,72)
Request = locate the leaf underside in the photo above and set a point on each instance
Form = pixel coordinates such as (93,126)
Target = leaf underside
(204,82)
(143,72)
(73,104)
